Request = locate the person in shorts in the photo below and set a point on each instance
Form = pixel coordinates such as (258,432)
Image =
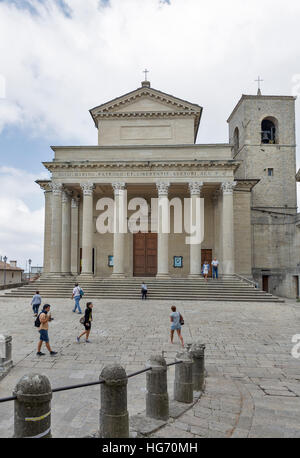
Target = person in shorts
(45,317)
(88,318)
(175,325)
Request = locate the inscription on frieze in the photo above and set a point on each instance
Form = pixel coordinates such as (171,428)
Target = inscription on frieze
(139,174)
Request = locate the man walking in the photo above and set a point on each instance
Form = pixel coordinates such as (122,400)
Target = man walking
(215,265)
(77,295)
(36,302)
(44,318)
(144,291)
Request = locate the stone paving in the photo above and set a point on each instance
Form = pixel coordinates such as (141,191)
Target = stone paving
(252,385)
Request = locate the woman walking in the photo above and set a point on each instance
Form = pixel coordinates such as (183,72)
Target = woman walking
(175,319)
(205,270)
(88,317)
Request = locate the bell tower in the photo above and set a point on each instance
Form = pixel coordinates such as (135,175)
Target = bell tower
(262,134)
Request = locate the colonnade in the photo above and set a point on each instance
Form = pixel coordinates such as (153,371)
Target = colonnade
(61,256)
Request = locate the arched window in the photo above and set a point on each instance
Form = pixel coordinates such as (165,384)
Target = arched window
(236,140)
(269,130)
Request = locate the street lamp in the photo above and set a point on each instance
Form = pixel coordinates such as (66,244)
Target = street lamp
(29,264)
(5,259)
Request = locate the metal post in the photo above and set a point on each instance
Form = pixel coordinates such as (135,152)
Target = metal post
(157,399)
(114,420)
(183,384)
(197,353)
(4,274)
(32,416)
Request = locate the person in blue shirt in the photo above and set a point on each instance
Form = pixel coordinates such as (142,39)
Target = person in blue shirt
(36,302)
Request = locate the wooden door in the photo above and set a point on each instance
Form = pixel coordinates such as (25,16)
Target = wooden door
(265,283)
(206,255)
(144,254)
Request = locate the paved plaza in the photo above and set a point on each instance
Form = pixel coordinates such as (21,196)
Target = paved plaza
(252,385)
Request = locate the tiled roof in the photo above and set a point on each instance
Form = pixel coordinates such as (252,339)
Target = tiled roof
(9,267)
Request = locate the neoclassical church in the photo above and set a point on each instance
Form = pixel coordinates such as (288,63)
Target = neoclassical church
(147,149)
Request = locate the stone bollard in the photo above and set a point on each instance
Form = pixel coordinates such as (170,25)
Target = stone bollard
(5,354)
(114,420)
(157,399)
(183,384)
(197,354)
(33,407)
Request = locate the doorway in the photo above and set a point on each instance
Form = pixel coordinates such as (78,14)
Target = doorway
(144,254)
(265,283)
(206,255)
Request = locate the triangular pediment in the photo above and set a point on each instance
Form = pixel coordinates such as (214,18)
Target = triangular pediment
(145,99)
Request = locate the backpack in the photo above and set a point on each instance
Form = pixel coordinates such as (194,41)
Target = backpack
(37,322)
(81,292)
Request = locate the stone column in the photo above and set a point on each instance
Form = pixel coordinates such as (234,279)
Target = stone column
(87,229)
(47,229)
(183,383)
(215,201)
(163,223)
(120,222)
(66,234)
(157,399)
(74,236)
(56,227)
(228,228)
(195,249)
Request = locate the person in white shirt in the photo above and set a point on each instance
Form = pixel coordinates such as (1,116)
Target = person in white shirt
(144,291)
(77,296)
(215,265)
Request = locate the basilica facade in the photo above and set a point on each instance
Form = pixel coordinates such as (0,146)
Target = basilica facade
(147,151)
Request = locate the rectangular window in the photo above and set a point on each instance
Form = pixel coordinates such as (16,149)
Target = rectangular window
(270,172)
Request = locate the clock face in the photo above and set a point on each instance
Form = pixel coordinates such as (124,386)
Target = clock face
(178,261)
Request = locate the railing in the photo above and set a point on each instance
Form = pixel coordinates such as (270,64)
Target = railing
(251,282)
(33,393)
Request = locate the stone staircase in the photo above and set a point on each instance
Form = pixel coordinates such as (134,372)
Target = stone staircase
(224,289)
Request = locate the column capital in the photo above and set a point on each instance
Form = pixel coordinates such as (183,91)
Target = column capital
(87,188)
(228,187)
(57,188)
(195,187)
(117,187)
(162,188)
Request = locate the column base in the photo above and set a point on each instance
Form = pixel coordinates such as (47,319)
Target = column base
(162,276)
(196,276)
(117,275)
(86,276)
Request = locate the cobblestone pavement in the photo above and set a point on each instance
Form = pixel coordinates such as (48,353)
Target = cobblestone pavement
(252,385)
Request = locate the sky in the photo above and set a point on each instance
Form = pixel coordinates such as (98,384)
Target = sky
(59,58)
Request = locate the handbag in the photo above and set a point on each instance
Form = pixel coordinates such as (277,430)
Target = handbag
(82,320)
(181,320)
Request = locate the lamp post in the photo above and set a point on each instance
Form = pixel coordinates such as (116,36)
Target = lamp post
(5,259)
(29,267)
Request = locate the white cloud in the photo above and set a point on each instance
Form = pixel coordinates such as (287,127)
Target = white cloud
(21,216)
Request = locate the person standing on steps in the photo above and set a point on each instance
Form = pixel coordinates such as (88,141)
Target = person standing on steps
(88,318)
(205,270)
(215,266)
(176,319)
(43,320)
(36,302)
(77,295)
(144,290)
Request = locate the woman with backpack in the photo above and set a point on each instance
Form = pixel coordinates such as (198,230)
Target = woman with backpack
(176,322)
(87,322)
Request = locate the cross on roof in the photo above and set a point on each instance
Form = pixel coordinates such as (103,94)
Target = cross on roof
(145,71)
(259,80)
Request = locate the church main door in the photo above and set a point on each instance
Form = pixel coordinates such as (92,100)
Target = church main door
(144,254)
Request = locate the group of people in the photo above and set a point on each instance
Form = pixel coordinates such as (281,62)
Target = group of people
(44,317)
(206,268)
